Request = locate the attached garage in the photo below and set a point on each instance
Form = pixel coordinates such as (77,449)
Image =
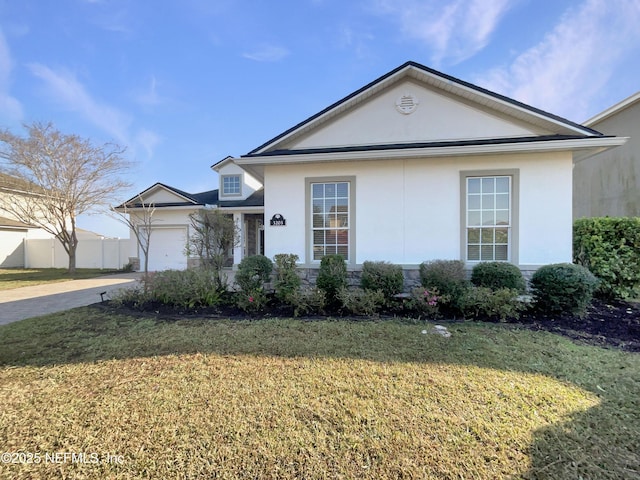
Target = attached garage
(167,249)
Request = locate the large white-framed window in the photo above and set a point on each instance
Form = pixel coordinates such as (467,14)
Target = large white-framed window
(231,185)
(330,217)
(489,204)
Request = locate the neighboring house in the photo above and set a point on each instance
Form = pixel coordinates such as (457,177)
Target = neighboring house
(415,166)
(13,232)
(608,184)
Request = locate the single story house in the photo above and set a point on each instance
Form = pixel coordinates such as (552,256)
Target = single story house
(417,165)
(608,184)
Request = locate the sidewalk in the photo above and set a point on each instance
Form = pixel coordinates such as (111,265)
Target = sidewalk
(26,302)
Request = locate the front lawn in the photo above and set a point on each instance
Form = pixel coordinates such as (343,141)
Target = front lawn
(21,277)
(282,398)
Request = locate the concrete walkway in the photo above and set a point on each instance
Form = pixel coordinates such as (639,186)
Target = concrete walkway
(26,302)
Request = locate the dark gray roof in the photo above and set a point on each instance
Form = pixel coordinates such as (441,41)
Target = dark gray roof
(254,200)
(399,146)
(210,197)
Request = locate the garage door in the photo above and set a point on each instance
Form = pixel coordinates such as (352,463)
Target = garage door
(166,249)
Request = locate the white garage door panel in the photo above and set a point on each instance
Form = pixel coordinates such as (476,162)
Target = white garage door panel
(166,249)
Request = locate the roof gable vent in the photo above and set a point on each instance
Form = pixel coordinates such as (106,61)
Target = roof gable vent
(407,104)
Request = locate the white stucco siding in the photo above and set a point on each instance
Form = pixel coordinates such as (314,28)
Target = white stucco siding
(249,183)
(161,195)
(437,117)
(546,219)
(408,211)
(285,189)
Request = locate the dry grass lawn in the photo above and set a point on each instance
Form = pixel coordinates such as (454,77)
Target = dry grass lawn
(20,277)
(142,398)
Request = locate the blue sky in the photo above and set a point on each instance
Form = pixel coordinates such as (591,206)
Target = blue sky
(185,83)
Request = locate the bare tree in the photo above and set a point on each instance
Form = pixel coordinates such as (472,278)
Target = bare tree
(213,235)
(59,177)
(138,216)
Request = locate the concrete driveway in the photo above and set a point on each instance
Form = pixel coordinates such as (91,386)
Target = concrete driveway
(26,302)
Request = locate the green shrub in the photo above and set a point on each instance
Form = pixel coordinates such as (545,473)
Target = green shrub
(609,248)
(563,287)
(332,277)
(135,297)
(306,301)
(425,303)
(287,281)
(446,276)
(361,302)
(253,272)
(383,276)
(501,303)
(252,301)
(498,275)
(183,288)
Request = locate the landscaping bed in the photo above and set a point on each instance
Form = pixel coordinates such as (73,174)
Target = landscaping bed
(606,323)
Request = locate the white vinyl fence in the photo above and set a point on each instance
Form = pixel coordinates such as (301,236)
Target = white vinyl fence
(92,253)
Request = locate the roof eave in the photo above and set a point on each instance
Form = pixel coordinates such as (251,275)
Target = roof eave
(618,107)
(585,143)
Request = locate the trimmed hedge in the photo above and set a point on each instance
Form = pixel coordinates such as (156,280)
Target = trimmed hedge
(332,276)
(287,281)
(253,273)
(610,249)
(448,277)
(498,275)
(383,276)
(563,287)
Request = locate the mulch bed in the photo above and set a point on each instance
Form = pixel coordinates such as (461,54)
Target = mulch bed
(606,324)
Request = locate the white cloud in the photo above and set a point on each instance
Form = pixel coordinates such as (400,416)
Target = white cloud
(150,97)
(267,53)
(10,107)
(454,31)
(347,37)
(63,87)
(573,62)
(148,140)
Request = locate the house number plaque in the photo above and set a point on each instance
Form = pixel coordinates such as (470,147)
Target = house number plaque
(278,221)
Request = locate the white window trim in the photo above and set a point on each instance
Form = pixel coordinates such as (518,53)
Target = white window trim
(240,179)
(310,262)
(514,211)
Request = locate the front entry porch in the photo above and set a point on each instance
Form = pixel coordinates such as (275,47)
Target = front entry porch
(251,226)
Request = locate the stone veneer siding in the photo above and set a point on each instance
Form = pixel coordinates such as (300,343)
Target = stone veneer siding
(411,276)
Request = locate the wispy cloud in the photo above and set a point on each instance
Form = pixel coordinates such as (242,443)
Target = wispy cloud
(267,53)
(358,41)
(453,31)
(64,88)
(10,107)
(568,68)
(148,140)
(149,97)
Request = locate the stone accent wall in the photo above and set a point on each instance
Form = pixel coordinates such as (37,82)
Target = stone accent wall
(310,275)
(411,277)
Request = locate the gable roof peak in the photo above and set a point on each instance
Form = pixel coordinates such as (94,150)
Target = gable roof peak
(438,81)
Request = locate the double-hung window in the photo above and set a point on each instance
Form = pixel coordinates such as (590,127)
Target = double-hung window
(330,213)
(231,185)
(489,218)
